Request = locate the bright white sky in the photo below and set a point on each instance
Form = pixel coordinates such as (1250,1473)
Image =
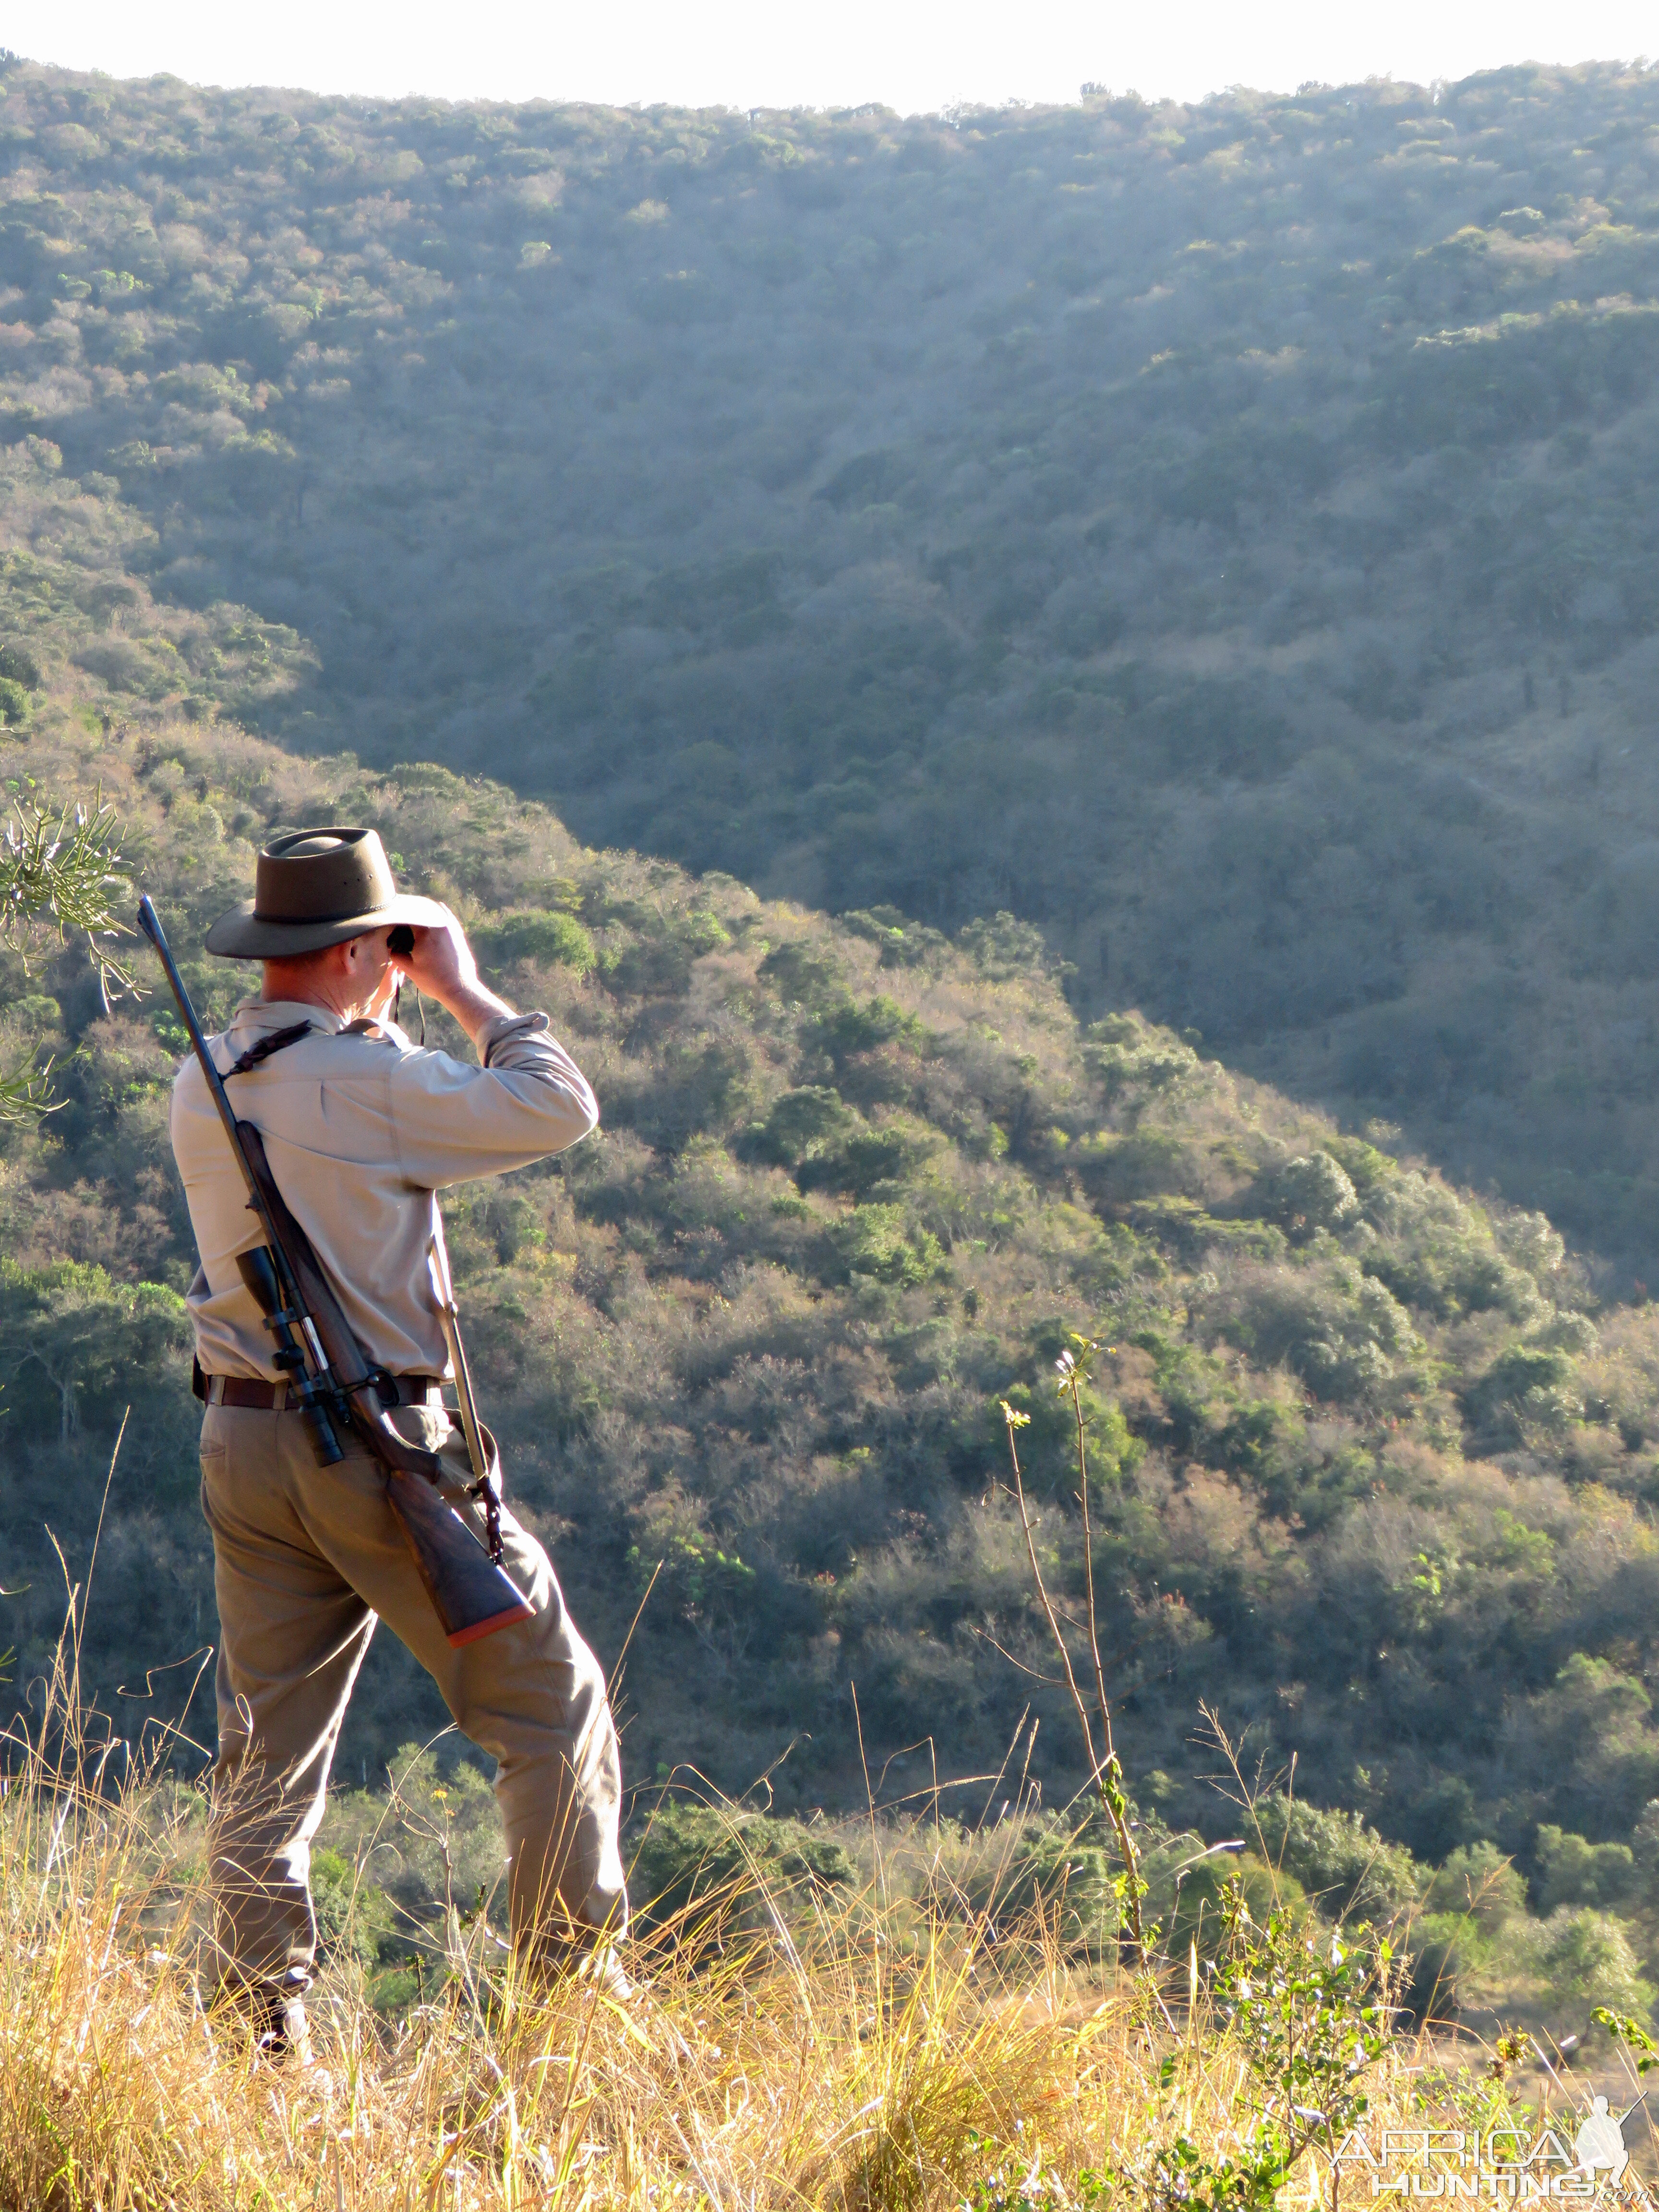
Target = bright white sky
(910,54)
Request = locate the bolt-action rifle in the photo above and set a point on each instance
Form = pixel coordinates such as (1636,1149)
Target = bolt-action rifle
(338,1386)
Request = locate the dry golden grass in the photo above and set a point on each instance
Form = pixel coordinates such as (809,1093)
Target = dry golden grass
(893,2051)
(887,2051)
(841,2059)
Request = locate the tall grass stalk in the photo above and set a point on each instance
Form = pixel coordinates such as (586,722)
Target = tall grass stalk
(1094,1718)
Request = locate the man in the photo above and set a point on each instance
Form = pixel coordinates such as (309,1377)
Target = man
(360,1128)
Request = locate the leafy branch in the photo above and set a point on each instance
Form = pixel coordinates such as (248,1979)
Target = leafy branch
(58,878)
(1644,2051)
(1308,2016)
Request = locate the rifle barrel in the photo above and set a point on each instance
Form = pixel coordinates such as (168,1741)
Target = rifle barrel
(150,922)
(151,926)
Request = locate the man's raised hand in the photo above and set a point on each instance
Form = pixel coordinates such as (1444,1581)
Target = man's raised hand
(441,963)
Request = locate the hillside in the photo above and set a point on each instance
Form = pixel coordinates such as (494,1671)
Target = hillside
(1263,490)
(1373,1469)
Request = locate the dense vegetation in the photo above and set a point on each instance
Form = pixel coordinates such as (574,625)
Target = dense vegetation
(1223,536)
(1372,1469)
(1196,561)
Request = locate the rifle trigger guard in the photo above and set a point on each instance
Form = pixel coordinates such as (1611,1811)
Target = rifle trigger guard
(486,1492)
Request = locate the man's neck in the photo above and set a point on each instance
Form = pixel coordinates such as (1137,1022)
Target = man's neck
(291,997)
(344,1010)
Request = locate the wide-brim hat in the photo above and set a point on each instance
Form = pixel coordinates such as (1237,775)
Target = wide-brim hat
(314,888)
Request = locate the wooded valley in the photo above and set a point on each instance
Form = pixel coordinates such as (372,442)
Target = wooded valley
(1372,1467)
(1159,605)
(1263,490)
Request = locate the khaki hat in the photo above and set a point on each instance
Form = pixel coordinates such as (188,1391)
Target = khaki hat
(315,887)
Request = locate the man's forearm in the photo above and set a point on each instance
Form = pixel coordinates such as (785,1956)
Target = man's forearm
(473,1008)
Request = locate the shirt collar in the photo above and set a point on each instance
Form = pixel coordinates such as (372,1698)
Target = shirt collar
(258,1018)
(261,1016)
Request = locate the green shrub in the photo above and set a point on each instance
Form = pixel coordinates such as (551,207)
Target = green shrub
(798,1125)
(1581,1959)
(866,1159)
(353,1917)
(658,959)
(1182,1225)
(801,975)
(1118,1170)
(1342,1332)
(1527,1383)
(1004,946)
(879,1242)
(427,775)
(1447,1281)
(1312,1193)
(1451,1957)
(1366,1168)
(1048,1446)
(1478,1883)
(714,1865)
(1345,1866)
(1055,1871)
(78,1348)
(700,930)
(1573,1871)
(1591,1730)
(1127,1055)
(903,943)
(548,940)
(1200,1899)
(851,1028)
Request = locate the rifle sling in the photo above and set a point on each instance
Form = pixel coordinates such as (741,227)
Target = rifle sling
(354,1376)
(256,1054)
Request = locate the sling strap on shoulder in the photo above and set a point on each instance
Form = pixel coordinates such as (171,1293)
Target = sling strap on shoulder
(278,1041)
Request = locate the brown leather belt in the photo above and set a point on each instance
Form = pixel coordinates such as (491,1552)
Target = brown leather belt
(253,1395)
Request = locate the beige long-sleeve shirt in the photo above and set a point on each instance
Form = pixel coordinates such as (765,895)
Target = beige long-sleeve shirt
(361,1130)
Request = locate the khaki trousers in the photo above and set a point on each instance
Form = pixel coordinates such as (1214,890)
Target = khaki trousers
(305,1559)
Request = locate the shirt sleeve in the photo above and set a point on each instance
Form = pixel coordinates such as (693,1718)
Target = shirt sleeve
(454,1123)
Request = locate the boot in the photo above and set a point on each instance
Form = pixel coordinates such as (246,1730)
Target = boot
(280,2035)
(602,1969)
